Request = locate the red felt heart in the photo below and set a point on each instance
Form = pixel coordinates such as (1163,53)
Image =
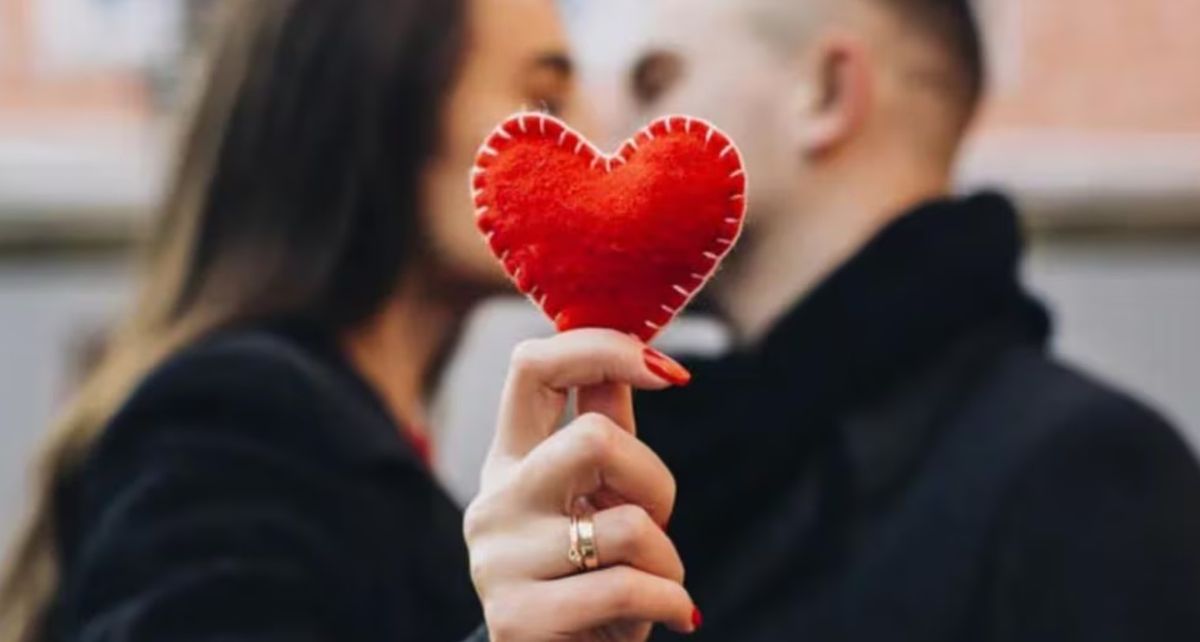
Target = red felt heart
(622,241)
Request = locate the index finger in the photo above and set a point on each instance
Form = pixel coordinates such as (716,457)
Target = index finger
(544,370)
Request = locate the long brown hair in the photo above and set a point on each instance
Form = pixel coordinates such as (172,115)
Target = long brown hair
(296,194)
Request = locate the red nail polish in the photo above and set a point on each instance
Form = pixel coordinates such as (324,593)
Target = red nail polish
(697,619)
(666,367)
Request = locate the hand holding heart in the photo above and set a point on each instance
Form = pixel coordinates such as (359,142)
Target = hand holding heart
(516,529)
(620,244)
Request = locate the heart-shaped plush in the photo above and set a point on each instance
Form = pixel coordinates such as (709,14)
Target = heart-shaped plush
(622,241)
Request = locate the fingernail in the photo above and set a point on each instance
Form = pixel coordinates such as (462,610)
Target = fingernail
(697,619)
(666,367)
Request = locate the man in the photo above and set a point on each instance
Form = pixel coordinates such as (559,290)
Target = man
(889,453)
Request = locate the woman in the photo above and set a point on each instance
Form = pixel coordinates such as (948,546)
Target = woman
(250,460)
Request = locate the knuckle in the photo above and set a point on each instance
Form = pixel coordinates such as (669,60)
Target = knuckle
(593,421)
(471,526)
(672,490)
(623,592)
(481,516)
(475,520)
(527,357)
(677,572)
(593,439)
(633,526)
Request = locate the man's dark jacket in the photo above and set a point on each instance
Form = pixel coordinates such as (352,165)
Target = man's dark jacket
(900,459)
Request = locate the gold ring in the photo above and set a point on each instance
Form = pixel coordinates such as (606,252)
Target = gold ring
(583,552)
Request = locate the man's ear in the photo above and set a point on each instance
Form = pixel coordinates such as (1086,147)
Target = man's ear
(836,95)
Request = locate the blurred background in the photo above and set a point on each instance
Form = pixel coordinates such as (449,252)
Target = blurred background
(1093,123)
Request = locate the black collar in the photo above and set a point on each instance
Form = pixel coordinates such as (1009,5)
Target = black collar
(937,274)
(943,268)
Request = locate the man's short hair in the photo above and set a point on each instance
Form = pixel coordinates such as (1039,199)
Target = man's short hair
(951,25)
(948,25)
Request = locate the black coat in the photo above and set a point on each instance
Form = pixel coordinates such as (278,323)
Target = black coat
(900,459)
(254,488)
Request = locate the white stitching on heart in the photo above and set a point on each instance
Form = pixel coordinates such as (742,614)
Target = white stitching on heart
(596,157)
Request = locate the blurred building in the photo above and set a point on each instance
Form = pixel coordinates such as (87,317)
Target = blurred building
(86,90)
(1094,124)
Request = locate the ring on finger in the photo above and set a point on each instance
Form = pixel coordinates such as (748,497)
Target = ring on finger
(582,552)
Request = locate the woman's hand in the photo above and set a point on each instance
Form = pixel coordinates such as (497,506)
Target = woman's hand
(535,478)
